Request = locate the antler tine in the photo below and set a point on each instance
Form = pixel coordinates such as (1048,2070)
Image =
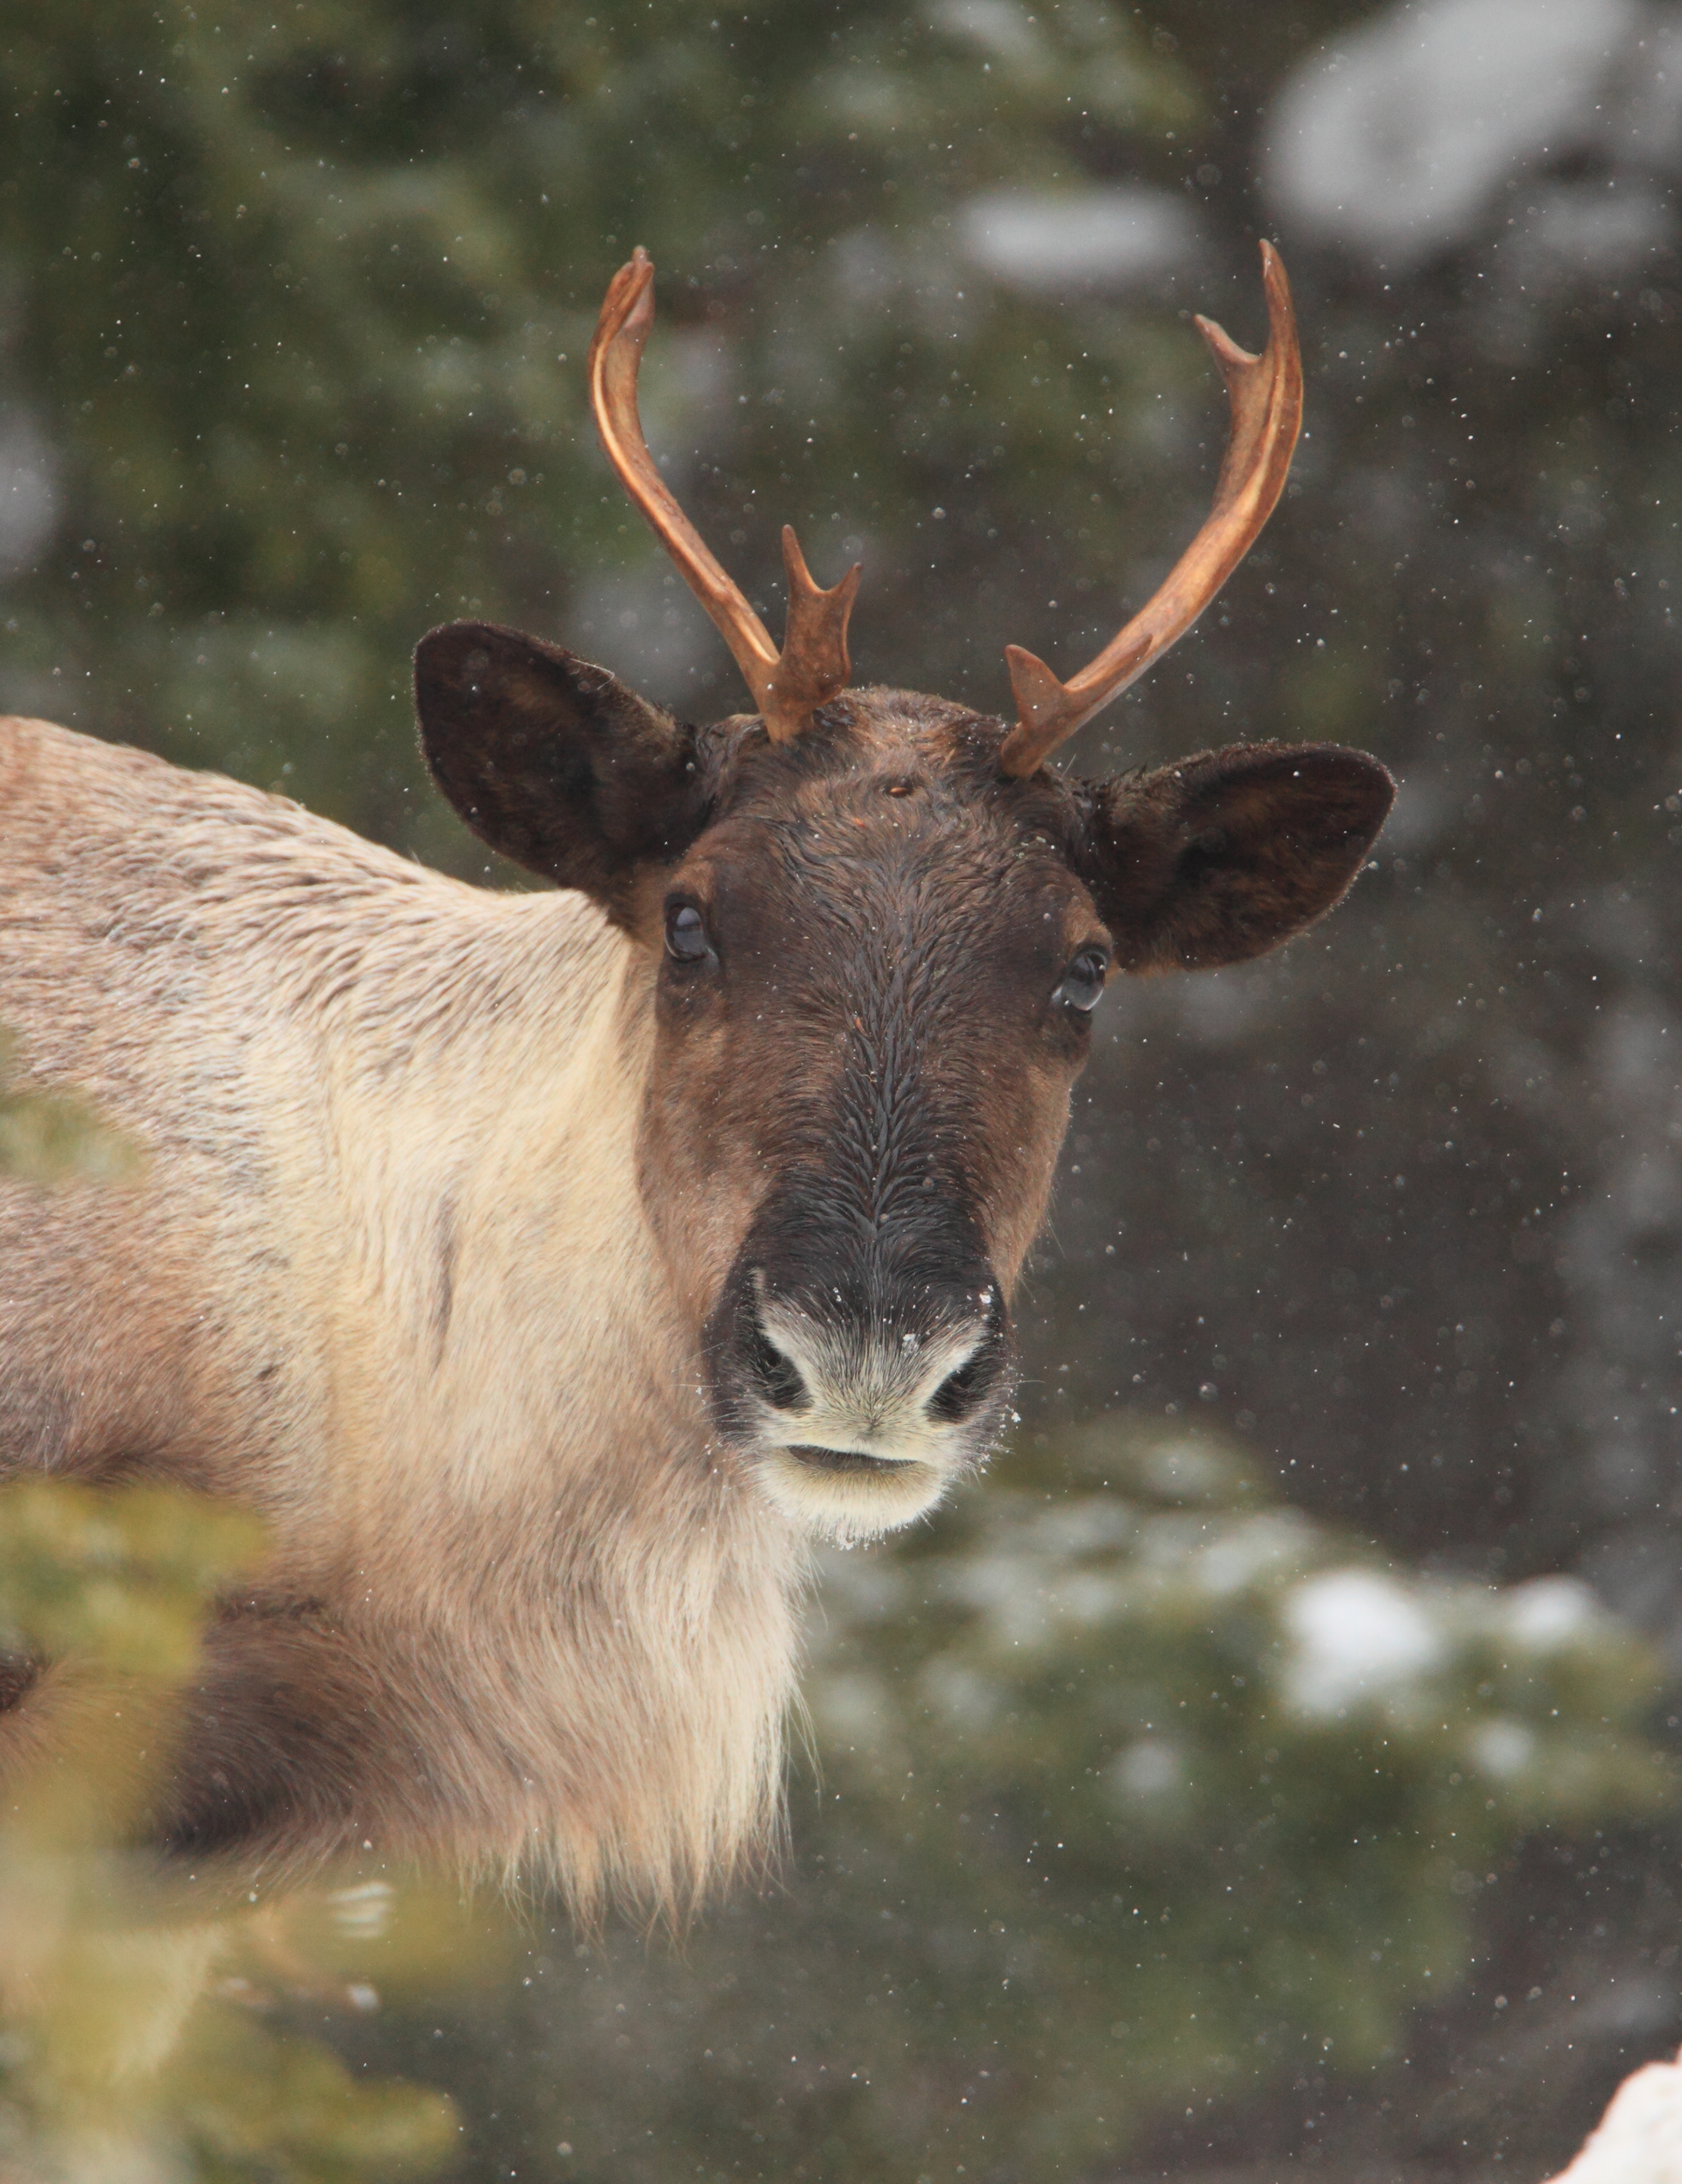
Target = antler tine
(1265,395)
(813,665)
(615,355)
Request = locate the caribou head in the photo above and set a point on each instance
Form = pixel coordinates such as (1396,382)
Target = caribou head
(871,928)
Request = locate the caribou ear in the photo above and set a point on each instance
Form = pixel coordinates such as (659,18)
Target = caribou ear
(1224,855)
(554,762)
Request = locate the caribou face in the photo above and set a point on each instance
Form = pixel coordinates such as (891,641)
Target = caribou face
(878,969)
(877,927)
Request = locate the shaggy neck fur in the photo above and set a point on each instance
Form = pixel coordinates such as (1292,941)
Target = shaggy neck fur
(391,1125)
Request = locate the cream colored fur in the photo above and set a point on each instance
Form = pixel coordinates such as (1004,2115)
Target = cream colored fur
(387,1278)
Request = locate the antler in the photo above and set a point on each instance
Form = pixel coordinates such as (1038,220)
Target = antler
(1265,394)
(812,666)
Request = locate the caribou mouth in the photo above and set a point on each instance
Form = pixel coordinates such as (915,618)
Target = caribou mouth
(845,1494)
(843,1459)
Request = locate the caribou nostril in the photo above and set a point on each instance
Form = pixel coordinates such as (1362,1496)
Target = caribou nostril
(963,1392)
(776,1373)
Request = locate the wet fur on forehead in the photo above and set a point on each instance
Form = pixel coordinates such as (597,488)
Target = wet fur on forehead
(891,804)
(863,735)
(867,742)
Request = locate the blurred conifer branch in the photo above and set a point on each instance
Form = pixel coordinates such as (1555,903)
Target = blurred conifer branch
(133,2017)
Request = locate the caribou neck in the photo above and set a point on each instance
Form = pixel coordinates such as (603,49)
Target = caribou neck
(492,1199)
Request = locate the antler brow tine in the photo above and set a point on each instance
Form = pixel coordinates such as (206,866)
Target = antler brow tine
(787,686)
(1265,395)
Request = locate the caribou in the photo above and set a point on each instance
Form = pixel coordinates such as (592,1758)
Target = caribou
(549,1269)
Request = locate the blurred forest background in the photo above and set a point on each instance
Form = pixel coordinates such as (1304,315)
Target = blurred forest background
(1271,1765)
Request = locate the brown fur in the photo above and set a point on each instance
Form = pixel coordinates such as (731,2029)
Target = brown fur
(466,1216)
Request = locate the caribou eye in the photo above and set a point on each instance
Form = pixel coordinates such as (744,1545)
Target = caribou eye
(686,933)
(1083,980)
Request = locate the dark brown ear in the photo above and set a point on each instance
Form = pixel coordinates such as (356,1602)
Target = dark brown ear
(555,762)
(1224,855)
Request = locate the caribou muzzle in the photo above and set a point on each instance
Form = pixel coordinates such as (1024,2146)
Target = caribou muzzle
(860,1381)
